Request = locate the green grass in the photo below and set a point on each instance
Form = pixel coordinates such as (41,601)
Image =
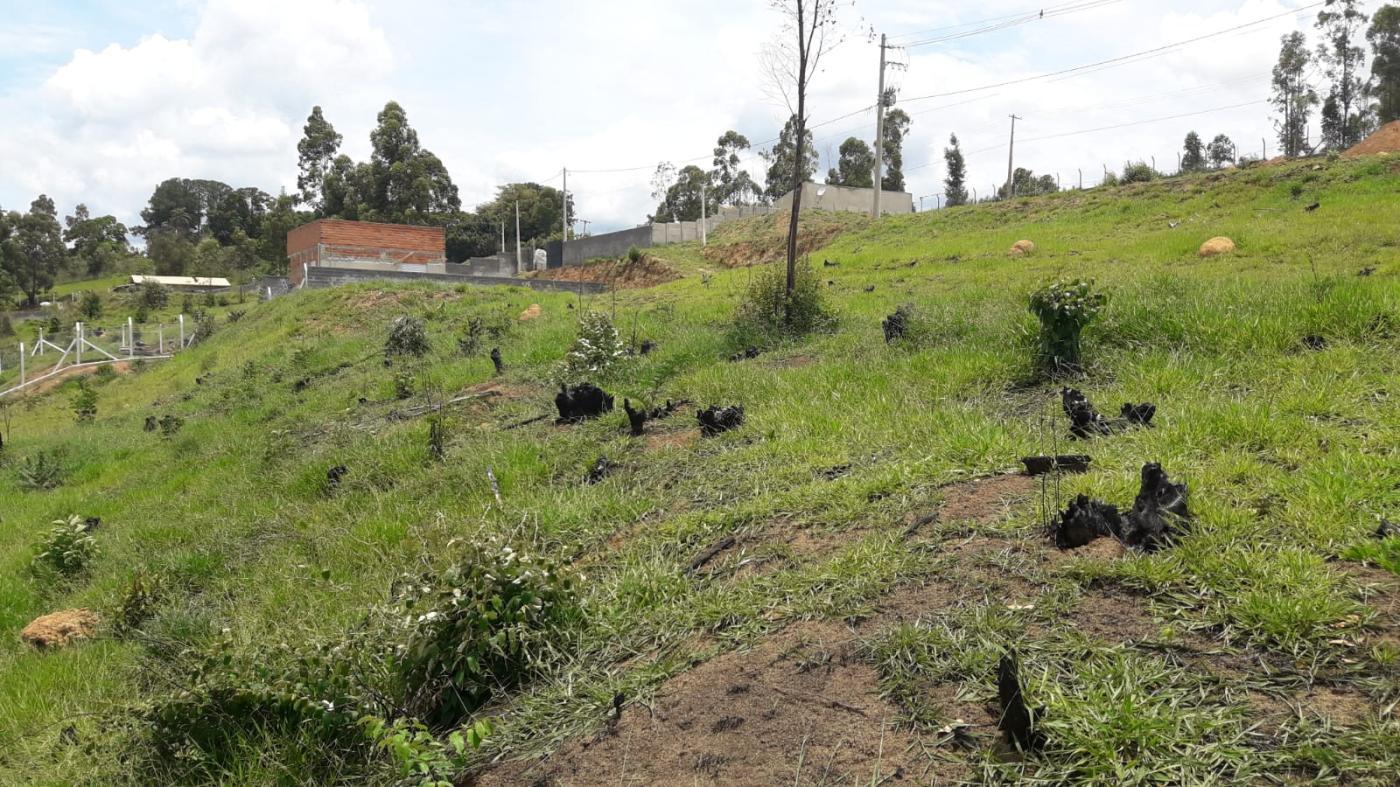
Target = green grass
(1289,453)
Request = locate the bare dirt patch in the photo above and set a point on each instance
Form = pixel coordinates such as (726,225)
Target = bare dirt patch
(120,367)
(497,390)
(762,240)
(802,707)
(1386,139)
(618,274)
(984,500)
(668,439)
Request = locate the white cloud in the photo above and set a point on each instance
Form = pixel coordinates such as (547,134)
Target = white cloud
(224,103)
(505,92)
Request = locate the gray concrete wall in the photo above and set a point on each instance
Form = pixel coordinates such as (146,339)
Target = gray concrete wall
(615,244)
(612,244)
(848,200)
(318,277)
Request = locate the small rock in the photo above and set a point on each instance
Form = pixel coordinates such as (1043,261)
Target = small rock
(60,629)
(1022,248)
(1216,246)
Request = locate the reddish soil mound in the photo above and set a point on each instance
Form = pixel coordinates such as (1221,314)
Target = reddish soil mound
(59,629)
(802,707)
(1386,139)
(622,274)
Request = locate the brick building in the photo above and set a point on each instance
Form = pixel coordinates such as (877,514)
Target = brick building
(365,246)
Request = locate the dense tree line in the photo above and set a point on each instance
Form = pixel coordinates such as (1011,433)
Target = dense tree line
(36,250)
(1356,100)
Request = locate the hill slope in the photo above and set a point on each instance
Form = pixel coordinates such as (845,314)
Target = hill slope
(821,595)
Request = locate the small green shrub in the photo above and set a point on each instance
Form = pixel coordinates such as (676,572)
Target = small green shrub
(187,304)
(402,682)
(91,305)
(53,327)
(479,627)
(204,325)
(481,328)
(596,350)
(767,312)
(403,384)
(68,548)
(138,602)
(407,336)
(7,328)
(152,295)
(44,470)
(85,402)
(170,426)
(437,438)
(634,255)
(105,373)
(1139,172)
(236,315)
(1064,308)
(1110,179)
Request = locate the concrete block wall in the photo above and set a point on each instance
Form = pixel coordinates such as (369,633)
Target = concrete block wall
(820,196)
(320,277)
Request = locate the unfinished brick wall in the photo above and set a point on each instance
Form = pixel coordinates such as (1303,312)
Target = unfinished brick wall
(326,242)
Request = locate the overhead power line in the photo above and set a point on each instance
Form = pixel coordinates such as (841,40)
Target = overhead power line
(1120,60)
(986,21)
(1099,129)
(1034,16)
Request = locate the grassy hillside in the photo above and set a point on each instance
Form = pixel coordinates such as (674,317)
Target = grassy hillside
(882,555)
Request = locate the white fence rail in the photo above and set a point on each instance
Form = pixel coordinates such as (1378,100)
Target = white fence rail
(32,366)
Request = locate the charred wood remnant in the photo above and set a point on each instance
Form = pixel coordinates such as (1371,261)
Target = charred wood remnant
(578,403)
(717,420)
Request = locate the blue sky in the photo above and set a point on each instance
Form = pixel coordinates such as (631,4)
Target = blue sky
(103,99)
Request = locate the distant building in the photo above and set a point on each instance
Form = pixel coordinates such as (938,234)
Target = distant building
(365,246)
(179,283)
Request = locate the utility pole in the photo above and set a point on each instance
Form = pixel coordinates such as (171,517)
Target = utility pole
(517,236)
(704,218)
(879,130)
(1010,158)
(1081,179)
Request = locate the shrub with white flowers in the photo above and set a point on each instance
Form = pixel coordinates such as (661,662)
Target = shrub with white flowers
(596,350)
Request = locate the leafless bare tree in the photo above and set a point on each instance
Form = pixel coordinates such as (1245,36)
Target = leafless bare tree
(791,60)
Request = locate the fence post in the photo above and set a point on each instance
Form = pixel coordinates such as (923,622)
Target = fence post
(160,337)
(182,332)
(40,346)
(130,337)
(21,363)
(78,340)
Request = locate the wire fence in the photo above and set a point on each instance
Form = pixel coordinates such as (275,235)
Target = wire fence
(37,353)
